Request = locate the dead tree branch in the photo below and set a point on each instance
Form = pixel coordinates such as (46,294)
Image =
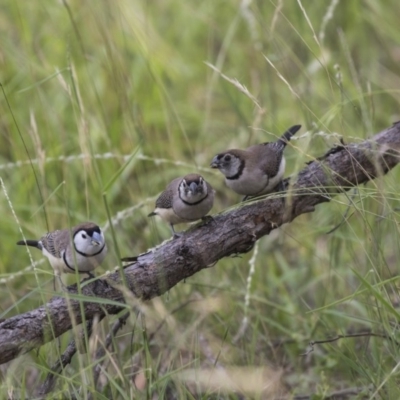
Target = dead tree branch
(231,232)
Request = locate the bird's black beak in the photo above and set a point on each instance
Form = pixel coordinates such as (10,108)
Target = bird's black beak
(214,163)
(193,187)
(96,239)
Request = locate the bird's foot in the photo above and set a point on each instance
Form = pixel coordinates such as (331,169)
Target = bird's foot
(96,281)
(89,277)
(62,286)
(177,235)
(207,219)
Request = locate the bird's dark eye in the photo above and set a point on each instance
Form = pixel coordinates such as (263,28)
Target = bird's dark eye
(83,236)
(227,157)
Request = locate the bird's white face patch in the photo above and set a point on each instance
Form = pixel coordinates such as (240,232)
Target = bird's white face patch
(88,244)
(193,192)
(229,164)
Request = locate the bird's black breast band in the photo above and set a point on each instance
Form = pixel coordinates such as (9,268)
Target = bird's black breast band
(238,174)
(193,204)
(87,255)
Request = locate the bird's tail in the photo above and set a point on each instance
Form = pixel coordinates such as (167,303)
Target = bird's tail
(152,214)
(285,138)
(33,243)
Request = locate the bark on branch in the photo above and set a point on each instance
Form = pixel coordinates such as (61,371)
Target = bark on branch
(231,232)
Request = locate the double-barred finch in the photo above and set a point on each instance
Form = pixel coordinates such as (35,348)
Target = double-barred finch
(256,170)
(79,249)
(185,199)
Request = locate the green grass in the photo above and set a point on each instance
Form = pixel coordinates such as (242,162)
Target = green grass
(114,99)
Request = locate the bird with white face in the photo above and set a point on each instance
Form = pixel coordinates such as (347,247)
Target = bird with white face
(79,249)
(256,170)
(186,199)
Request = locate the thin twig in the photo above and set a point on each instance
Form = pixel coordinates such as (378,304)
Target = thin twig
(237,85)
(48,385)
(344,217)
(346,336)
(151,335)
(102,351)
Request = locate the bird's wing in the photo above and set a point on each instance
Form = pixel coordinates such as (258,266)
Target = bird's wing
(55,242)
(166,198)
(267,159)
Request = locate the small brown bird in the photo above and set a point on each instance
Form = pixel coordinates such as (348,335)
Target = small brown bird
(186,199)
(81,248)
(256,170)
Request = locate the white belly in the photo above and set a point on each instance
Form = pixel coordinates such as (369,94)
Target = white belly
(79,262)
(168,215)
(57,264)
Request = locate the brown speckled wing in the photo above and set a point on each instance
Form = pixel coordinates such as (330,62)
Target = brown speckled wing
(167,196)
(165,199)
(55,241)
(268,159)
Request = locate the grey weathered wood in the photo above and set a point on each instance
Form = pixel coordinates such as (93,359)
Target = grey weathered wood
(231,232)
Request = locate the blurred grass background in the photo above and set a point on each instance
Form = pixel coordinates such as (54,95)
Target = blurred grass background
(95,86)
